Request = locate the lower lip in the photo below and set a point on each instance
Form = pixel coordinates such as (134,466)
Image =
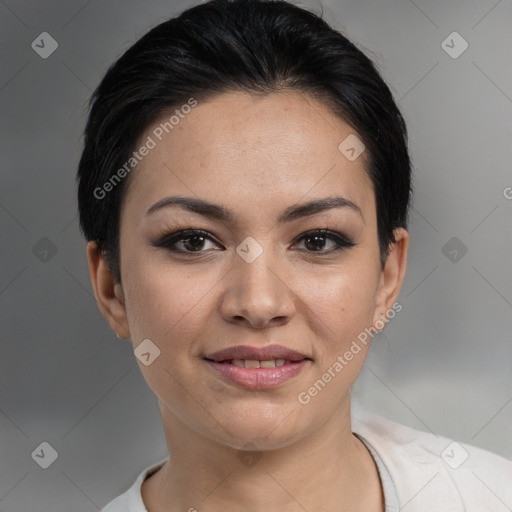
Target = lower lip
(259,378)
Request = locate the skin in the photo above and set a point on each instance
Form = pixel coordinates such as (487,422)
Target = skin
(256,155)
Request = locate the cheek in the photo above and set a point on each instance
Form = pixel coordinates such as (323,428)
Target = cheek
(165,301)
(170,306)
(339,304)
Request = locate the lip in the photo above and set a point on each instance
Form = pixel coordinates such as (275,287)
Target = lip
(257,378)
(256,353)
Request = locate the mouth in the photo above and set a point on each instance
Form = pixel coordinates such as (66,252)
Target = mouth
(255,363)
(257,368)
(270,353)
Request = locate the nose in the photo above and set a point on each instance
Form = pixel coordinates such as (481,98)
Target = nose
(257,294)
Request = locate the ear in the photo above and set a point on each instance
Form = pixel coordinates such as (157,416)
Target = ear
(392,276)
(108,293)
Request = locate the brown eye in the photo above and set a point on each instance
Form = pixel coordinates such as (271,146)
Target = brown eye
(194,242)
(187,241)
(324,241)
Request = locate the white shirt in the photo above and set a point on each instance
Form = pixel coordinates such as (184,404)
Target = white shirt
(420,472)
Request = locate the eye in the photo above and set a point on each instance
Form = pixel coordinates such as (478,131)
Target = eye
(187,241)
(325,241)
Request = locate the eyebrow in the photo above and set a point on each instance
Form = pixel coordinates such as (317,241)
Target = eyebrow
(221,213)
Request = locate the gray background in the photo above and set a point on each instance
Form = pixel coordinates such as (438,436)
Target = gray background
(444,364)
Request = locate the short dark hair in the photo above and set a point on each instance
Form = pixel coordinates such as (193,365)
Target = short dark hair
(256,46)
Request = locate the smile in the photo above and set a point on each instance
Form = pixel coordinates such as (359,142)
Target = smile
(251,363)
(257,368)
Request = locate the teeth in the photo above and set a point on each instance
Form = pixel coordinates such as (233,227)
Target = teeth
(251,363)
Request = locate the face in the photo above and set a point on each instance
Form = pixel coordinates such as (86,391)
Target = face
(259,259)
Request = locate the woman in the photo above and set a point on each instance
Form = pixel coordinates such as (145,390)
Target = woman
(244,187)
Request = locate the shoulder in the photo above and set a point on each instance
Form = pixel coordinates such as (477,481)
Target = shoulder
(131,500)
(433,472)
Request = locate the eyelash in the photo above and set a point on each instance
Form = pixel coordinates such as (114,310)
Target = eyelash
(169,240)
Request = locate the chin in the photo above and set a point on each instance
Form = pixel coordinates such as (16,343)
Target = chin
(267,428)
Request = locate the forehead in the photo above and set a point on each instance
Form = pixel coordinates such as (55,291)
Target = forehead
(242,148)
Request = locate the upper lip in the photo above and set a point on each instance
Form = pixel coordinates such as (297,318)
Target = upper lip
(256,353)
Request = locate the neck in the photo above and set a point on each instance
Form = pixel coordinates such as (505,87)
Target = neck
(329,469)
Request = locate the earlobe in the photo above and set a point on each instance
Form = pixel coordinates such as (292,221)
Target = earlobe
(392,275)
(108,293)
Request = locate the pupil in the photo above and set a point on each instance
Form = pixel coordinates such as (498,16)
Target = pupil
(194,241)
(316,238)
